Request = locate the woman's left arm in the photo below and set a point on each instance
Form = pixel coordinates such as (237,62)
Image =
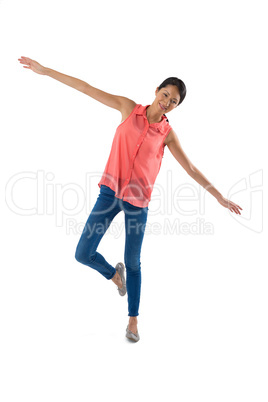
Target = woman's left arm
(175,148)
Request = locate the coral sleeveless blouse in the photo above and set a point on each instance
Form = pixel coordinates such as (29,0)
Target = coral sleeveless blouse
(135,157)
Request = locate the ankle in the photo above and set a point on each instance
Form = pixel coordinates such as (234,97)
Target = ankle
(116,278)
(133,320)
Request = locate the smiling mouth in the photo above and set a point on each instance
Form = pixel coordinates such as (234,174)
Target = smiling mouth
(162,107)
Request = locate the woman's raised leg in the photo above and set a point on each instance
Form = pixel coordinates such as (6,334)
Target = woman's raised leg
(99,220)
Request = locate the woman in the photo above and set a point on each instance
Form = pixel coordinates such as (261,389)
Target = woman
(128,179)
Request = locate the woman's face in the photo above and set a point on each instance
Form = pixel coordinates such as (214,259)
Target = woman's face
(167,98)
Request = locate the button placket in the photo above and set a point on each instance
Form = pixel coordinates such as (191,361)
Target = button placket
(135,153)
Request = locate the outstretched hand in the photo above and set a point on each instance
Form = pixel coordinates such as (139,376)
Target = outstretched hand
(230,205)
(32,65)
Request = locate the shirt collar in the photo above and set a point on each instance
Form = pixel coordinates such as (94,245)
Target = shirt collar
(141,110)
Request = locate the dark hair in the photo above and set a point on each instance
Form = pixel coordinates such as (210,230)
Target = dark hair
(179,84)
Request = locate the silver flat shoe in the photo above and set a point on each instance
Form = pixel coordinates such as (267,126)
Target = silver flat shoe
(130,335)
(120,268)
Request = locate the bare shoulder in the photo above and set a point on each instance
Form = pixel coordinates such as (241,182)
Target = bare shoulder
(127,106)
(170,137)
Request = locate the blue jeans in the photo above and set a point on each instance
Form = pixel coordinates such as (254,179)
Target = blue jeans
(105,209)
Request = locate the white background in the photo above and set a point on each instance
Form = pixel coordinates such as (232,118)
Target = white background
(203,311)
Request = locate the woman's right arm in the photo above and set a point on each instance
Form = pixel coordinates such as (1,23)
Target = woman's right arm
(120,103)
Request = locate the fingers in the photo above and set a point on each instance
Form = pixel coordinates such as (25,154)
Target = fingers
(25,60)
(234,207)
(236,210)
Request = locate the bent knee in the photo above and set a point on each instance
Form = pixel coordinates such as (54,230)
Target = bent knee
(79,256)
(84,257)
